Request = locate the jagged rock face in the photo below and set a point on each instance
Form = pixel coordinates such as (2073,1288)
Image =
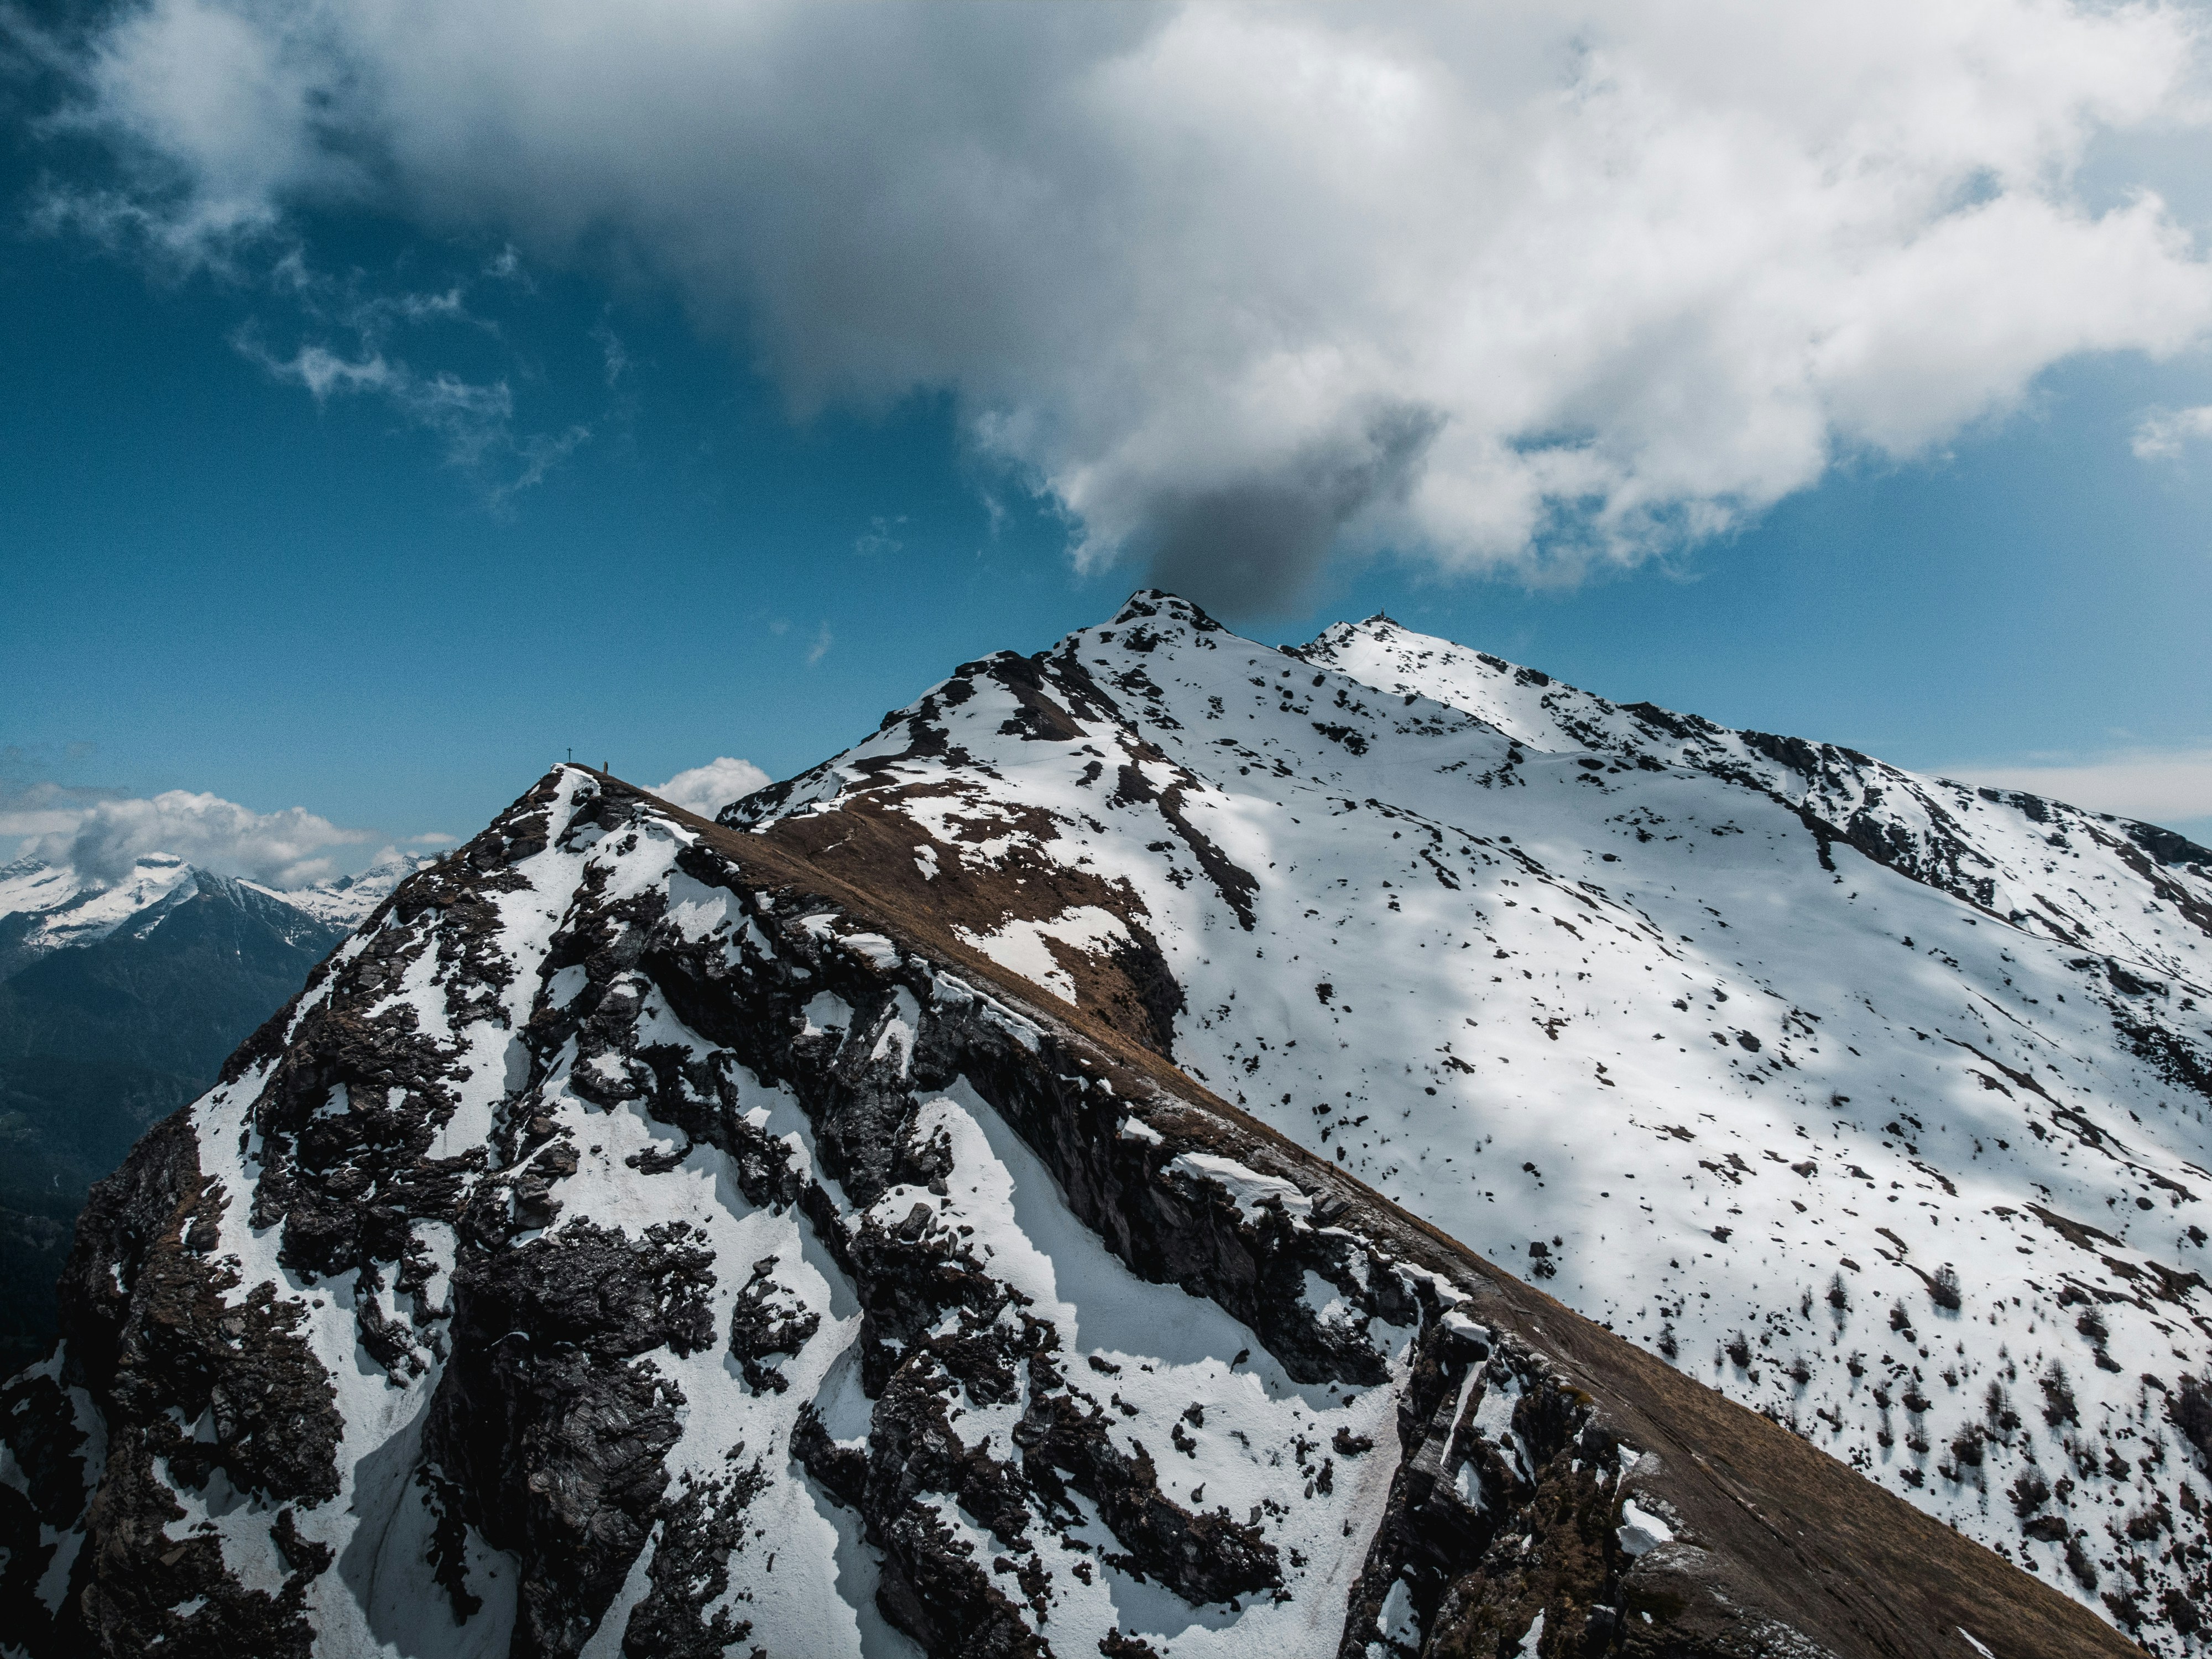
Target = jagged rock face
(629,1242)
(1878,1103)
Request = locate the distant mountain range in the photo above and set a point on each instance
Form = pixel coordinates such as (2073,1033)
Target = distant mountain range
(119,1001)
(1089,1169)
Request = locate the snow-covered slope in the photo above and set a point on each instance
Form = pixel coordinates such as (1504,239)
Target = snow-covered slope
(1876,1103)
(645,1237)
(2130,890)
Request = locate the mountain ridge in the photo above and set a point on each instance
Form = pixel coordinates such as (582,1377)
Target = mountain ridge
(975,762)
(978,1085)
(46,907)
(1710,1558)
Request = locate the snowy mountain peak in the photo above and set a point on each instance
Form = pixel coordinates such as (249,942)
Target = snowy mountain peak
(1669,1014)
(46,908)
(1039,1173)
(345,901)
(1153,603)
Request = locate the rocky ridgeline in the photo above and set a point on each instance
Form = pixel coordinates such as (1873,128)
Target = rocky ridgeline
(2000,850)
(639,1239)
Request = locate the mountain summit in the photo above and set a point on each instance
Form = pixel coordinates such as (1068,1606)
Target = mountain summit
(1052,1178)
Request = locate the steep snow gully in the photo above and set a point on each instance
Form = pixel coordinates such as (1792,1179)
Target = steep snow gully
(1015,1187)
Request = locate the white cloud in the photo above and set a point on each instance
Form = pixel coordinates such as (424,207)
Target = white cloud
(470,418)
(2163,786)
(613,351)
(708,789)
(288,848)
(474,422)
(539,454)
(2162,432)
(820,648)
(1521,283)
(878,537)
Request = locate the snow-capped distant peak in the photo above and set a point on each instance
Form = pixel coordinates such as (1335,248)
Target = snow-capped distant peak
(345,901)
(45,907)
(53,907)
(32,886)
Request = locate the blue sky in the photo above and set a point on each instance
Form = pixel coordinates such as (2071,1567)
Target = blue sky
(375,508)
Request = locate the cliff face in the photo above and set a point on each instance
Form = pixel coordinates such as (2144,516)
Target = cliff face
(650,1237)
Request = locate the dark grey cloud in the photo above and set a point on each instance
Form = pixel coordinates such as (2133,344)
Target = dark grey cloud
(1255,544)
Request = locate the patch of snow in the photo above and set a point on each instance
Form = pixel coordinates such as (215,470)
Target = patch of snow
(827,1014)
(1640,1531)
(1021,946)
(901,1028)
(1248,1190)
(1460,1325)
(1398,1620)
(874,948)
(697,910)
(562,988)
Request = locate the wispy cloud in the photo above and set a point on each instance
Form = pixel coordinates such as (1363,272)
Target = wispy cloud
(349,326)
(539,454)
(2159,785)
(613,352)
(878,537)
(474,422)
(820,648)
(2163,433)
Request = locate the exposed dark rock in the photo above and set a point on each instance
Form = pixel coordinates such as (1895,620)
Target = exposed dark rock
(760,1327)
(702,1528)
(551,1424)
